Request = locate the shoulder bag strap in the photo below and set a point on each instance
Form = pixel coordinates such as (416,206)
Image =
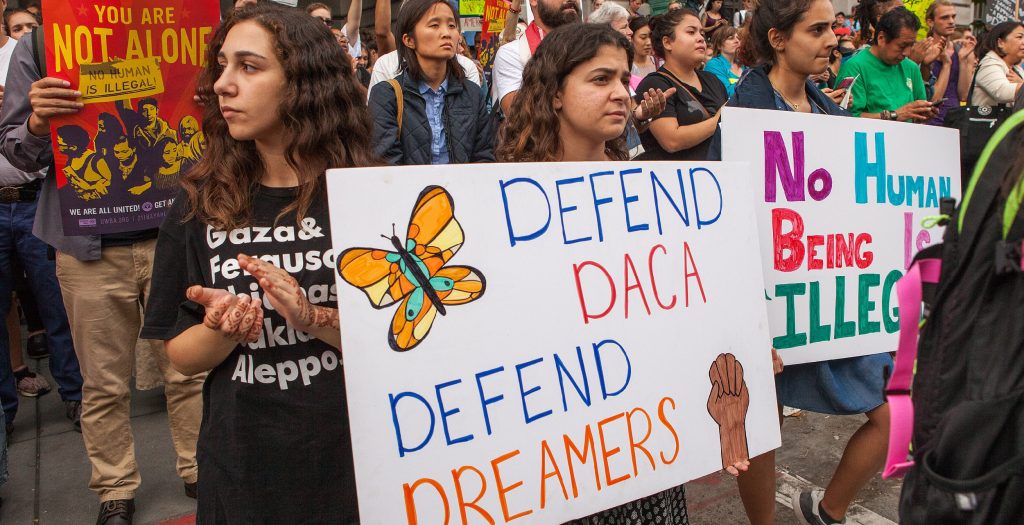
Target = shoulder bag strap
(400,99)
(680,88)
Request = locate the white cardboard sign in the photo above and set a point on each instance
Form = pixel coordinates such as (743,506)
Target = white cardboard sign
(604,335)
(842,202)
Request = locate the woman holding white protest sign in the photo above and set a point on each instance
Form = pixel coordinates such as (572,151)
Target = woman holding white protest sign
(281,107)
(786,43)
(430,113)
(573,107)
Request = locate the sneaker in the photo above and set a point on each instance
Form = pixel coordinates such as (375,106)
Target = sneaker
(116,512)
(192,490)
(807,507)
(73,411)
(37,347)
(30,384)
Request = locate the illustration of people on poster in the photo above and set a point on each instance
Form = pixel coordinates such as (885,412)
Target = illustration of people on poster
(119,159)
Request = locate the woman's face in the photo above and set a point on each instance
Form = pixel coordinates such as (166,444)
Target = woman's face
(731,45)
(808,48)
(715,6)
(642,42)
(21,24)
(592,103)
(688,47)
(251,85)
(622,26)
(1013,46)
(436,34)
(170,154)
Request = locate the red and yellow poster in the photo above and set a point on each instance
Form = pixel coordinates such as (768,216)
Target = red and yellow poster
(119,159)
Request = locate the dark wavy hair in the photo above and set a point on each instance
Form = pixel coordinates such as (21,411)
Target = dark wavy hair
(990,42)
(664,26)
(323,112)
(756,49)
(639,22)
(409,15)
(530,133)
(869,12)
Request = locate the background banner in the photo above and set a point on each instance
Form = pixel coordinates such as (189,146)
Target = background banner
(842,204)
(603,335)
(118,160)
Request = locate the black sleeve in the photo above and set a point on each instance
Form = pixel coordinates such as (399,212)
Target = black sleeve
(175,268)
(657,81)
(483,148)
(384,112)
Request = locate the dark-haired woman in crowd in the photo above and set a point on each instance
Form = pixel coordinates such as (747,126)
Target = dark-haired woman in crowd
(713,19)
(644,61)
(869,12)
(442,118)
(573,107)
(1000,75)
(281,106)
(684,129)
(785,44)
(724,65)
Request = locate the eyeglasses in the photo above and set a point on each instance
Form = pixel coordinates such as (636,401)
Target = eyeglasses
(326,21)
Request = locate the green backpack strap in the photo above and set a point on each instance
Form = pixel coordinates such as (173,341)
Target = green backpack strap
(1013,204)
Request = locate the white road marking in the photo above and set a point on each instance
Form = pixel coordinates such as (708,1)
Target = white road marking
(790,484)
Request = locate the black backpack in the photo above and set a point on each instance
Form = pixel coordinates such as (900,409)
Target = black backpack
(968,391)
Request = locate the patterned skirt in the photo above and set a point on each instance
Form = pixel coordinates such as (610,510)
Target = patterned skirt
(664,508)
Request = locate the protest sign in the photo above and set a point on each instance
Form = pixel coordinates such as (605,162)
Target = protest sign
(118,160)
(919,8)
(471,7)
(603,335)
(842,205)
(999,11)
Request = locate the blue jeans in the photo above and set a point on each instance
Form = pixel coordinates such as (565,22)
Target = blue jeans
(16,240)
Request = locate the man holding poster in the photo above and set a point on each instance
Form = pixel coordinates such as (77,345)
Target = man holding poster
(141,60)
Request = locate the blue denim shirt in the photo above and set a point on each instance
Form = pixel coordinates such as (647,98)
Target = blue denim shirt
(435,116)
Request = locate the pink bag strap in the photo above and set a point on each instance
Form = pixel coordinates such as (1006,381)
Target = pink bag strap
(901,409)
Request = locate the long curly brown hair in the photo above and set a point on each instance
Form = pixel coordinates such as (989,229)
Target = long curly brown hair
(530,131)
(323,113)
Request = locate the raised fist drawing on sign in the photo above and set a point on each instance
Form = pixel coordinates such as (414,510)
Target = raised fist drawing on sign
(727,405)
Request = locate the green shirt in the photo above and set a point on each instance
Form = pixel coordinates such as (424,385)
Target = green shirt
(880,85)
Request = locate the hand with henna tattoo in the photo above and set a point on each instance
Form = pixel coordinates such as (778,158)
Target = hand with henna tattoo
(235,317)
(288,299)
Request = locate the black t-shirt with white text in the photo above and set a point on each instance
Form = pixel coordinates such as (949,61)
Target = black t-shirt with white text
(274,446)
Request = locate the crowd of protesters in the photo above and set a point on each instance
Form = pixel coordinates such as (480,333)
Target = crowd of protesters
(623,85)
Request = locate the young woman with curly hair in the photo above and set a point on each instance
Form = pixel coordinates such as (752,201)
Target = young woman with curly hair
(573,107)
(243,271)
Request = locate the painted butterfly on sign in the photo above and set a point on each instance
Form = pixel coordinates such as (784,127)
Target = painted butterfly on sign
(415,273)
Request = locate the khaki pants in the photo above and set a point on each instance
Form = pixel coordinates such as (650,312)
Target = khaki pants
(104,300)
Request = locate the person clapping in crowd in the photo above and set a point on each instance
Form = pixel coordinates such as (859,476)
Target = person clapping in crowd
(683,131)
(281,107)
(889,85)
(952,72)
(430,114)
(1000,75)
(713,19)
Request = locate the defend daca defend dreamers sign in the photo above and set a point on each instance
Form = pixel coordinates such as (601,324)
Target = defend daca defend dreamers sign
(539,342)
